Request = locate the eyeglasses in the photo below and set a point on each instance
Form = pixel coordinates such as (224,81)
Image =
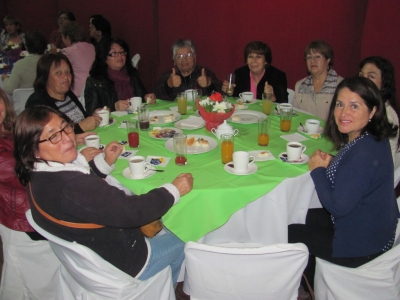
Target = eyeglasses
(62,18)
(56,137)
(182,56)
(315,57)
(115,54)
(255,56)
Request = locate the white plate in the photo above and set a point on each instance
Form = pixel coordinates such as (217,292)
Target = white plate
(240,108)
(247,102)
(250,170)
(101,145)
(247,117)
(147,174)
(212,144)
(160,115)
(109,124)
(166,132)
(180,126)
(304,159)
(264,158)
(320,130)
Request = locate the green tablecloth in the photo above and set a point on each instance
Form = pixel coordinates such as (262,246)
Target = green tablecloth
(216,194)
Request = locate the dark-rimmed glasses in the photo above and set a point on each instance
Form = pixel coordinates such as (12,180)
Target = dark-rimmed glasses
(56,137)
(115,54)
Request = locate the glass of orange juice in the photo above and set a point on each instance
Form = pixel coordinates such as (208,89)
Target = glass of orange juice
(264,126)
(227,146)
(285,112)
(267,103)
(182,103)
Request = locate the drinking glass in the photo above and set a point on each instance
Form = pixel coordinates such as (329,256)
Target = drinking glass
(285,111)
(264,126)
(143,117)
(132,127)
(227,147)
(267,103)
(231,81)
(182,103)
(180,148)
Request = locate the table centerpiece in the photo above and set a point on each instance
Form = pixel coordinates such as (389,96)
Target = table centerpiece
(13,51)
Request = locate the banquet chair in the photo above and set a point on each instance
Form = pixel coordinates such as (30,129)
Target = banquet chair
(20,96)
(244,270)
(396,169)
(377,279)
(85,275)
(290,96)
(135,60)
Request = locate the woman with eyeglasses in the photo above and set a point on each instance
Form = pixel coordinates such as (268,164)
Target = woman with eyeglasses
(315,92)
(63,17)
(53,83)
(113,80)
(259,76)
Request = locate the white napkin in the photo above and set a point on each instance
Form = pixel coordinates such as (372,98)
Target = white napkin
(192,121)
(119,113)
(175,108)
(294,137)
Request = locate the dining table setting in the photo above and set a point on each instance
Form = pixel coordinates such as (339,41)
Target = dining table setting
(219,190)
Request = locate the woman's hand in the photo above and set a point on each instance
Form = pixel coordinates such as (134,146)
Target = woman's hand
(90,152)
(80,138)
(150,98)
(122,105)
(111,152)
(319,159)
(268,89)
(184,183)
(90,123)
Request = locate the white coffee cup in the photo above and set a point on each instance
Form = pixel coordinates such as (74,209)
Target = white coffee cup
(105,117)
(312,126)
(138,166)
(191,95)
(135,103)
(295,150)
(92,141)
(246,96)
(241,161)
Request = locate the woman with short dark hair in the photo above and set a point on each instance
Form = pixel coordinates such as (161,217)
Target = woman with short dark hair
(99,28)
(13,35)
(63,17)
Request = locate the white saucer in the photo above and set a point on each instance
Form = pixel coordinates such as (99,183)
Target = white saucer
(104,146)
(304,159)
(300,129)
(109,124)
(147,174)
(264,158)
(250,170)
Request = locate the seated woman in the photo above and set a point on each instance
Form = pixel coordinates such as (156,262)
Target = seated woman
(359,216)
(63,186)
(259,76)
(23,73)
(113,80)
(381,72)
(13,40)
(80,54)
(26,253)
(63,17)
(314,93)
(54,79)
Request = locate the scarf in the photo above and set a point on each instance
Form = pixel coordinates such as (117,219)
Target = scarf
(122,83)
(79,164)
(329,87)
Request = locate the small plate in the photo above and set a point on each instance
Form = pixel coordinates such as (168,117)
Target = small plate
(250,170)
(247,102)
(303,160)
(186,127)
(102,147)
(247,117)
(300,129)
(164,133)
(263,158)
(147,174)
(241,108)
(113,121)
(160,116)
(212,144)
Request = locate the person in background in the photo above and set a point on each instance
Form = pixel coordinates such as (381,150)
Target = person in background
(359,216)
(13,34)
(80,54)
(113,80)
(23,73)
(99,29)
(185,74)
(259,76)
(381,72)
(314,93)
(63,17)
(54,79)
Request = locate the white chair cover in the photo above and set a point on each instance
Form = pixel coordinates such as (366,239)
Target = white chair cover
(396,169)
(135,60)
(85,275)
(30,268)
(290,96)
(20,96)
(377,279)
(244,271)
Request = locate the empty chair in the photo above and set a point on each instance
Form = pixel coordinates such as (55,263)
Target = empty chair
(20,96)
(290,95)
(244,271)
(85,275)
(377,279)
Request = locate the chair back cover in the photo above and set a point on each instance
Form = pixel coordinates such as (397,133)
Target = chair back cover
(86,275)
(244,271)
(290,96)
(20,96)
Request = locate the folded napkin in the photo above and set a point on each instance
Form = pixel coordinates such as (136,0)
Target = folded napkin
(192,121)
(294,137)
(119,113)
(175,108)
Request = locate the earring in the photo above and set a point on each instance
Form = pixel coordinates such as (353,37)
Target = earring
(369,120)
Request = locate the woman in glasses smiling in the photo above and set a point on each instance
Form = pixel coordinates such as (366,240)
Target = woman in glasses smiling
(315,92)
(113,80)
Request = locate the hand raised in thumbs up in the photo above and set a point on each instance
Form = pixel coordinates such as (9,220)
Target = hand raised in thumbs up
(203,80)
(174,80)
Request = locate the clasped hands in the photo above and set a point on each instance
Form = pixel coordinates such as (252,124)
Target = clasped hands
(319,159)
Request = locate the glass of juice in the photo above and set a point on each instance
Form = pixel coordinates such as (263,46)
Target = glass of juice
(264,126)
(227,147)
(231,84)
(285,112)
(182,103)
(143,117)
(267,103)
(180,148)
(132,127)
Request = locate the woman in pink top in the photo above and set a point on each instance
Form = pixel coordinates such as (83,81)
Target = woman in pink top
(80,54)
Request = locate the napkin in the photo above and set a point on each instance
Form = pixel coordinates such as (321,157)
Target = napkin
(119,113)
(192,121)
(294,137)
(175,108)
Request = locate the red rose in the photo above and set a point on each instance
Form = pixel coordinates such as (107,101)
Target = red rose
(216,97)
